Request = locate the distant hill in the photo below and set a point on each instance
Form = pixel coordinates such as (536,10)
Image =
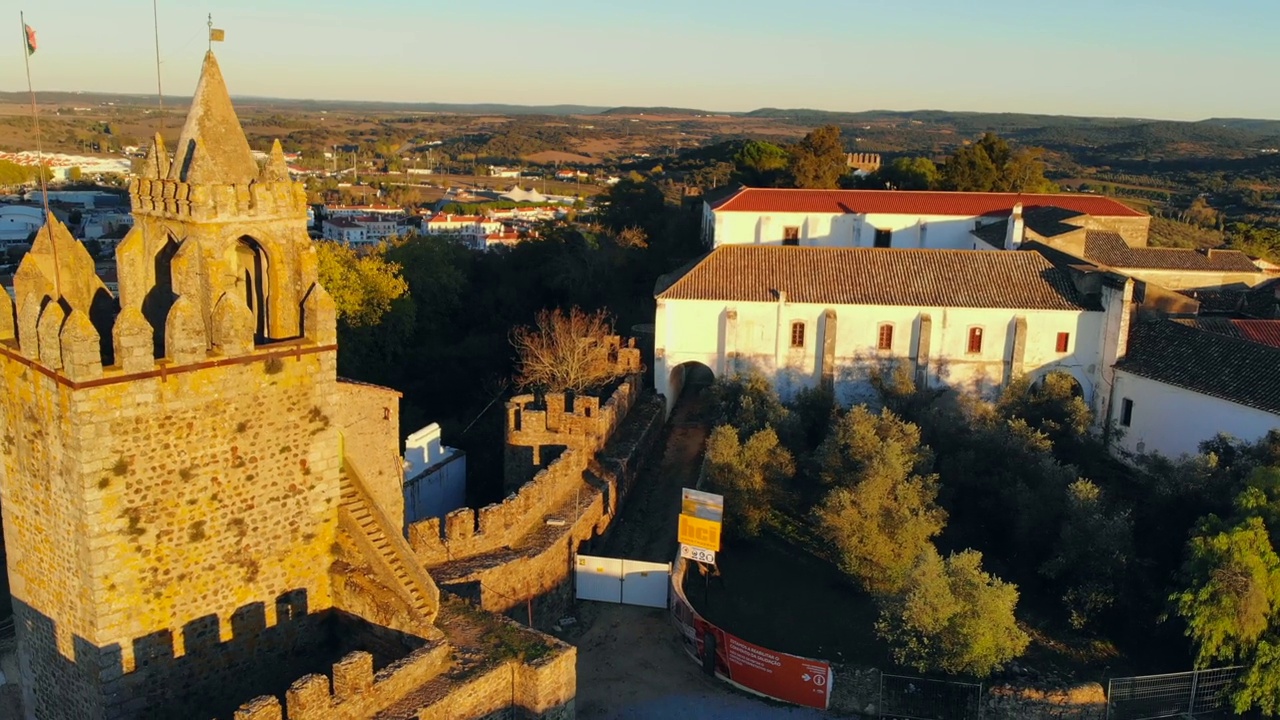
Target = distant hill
(89,99)
(657,111)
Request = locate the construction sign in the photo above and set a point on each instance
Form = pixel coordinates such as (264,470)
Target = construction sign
(701,514)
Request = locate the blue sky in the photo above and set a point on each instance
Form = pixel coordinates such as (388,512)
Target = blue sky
(1183,59)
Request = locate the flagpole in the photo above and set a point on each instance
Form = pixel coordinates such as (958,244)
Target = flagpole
(155,15)
(44,186)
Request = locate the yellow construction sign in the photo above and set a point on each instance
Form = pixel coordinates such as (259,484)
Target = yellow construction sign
(700,518)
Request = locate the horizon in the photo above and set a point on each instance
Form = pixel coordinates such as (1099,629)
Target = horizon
(993,59)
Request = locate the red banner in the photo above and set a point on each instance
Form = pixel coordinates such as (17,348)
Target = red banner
(789,678)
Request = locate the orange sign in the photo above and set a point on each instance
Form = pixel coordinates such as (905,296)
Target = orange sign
(786,677)
(700,533)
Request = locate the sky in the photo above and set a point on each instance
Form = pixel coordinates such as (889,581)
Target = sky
(1174,59)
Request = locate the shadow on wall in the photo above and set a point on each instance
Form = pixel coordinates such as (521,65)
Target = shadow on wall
(211,678)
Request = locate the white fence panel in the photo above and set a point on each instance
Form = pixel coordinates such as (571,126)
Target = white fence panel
(645,583)
(615,580)
(598,578)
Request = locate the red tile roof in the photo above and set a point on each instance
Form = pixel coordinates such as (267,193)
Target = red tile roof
(901,202)
(867,276)
(1262,332)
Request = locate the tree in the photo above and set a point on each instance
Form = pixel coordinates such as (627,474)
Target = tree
(747,474)
(75,174)
(565,351)
(883,510)
(1052,406)
(991,165)
(970,169)
(362,286)
(953,618)
(819,160)
(1232,600)
(749,403)
(906,173)
(760,162)
(1094,551)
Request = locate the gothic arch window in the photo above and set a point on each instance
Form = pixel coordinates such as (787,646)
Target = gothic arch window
(253,279)
(158,300)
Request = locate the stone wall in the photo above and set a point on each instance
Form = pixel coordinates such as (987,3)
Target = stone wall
(368,417)
(1134,230)
(467,532)
(415,687)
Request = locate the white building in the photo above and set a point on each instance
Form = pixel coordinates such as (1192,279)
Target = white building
(469,229)
(345,231)
(377,227)
(435,476)
(971,320)
(1179,385)
(889,218)
(17,222)
(351,211)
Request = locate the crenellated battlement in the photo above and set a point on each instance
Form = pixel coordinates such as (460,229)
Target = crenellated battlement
(355,691)
(170,199)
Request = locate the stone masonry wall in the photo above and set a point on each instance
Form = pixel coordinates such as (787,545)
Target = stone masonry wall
(468,532)
(542,689)
(368,416)
(164,507)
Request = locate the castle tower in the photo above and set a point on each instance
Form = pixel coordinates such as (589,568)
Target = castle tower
(170,475)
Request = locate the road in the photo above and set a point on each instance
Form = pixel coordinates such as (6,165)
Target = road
(630,663)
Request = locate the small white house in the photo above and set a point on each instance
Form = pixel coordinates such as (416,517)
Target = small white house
(805,316)
(345,231)
(1179,385)
(435,476)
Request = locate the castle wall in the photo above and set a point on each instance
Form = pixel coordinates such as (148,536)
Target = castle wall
(139,507)
(368,416)
(467,532)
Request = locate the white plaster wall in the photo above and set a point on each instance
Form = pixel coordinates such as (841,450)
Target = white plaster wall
(437,493)
(1172,421)
(700,331)
(942,232)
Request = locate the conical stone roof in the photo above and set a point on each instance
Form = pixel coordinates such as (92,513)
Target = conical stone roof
(212,148)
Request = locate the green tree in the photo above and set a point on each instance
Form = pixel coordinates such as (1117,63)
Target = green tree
(883,509)
(906,173)
(747,474)
(970,169)
(953,617)
(1231,604)
(760,162)
(362,286)
(1053,406)
(819,160)
(75,174)
(1095,549)
(749,402)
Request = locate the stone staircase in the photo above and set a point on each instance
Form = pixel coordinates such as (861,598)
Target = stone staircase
(385,547)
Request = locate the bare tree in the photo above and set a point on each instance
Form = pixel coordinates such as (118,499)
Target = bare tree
(565,352)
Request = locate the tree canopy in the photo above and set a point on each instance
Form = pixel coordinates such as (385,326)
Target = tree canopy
(362,285)
(565,351)
(991,165)
(819,160)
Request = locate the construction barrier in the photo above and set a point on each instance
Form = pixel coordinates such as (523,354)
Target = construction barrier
(789,678)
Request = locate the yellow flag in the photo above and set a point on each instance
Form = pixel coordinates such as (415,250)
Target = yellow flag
(217,34)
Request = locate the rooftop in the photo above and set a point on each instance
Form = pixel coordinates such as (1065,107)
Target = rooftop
(900,202)
(865,276)
(1263,332)
(1220,366)
(1109,248)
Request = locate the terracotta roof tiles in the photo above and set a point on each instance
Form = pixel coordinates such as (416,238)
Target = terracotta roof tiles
(901,202)
(1224,367)
(1110,249)
(867,276)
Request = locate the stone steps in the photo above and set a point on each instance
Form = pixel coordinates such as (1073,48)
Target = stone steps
(355,506)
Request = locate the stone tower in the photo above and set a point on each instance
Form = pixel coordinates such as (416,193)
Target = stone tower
(171,477)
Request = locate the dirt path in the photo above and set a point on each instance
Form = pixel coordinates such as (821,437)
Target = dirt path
(630,663)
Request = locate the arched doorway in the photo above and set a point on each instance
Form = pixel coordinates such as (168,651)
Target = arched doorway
(253,278)
(686,380)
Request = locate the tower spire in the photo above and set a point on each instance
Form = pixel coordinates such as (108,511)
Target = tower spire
(212,147)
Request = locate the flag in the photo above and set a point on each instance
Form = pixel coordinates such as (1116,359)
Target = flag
(31,39)
(217,35)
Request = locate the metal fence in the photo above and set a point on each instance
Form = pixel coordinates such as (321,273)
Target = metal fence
(915,698)
(1199,693)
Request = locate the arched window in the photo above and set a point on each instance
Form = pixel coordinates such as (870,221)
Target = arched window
(975,340)
(253,278)
(797,334)
(884,337)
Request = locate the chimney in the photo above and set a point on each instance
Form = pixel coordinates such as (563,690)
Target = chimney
(1016,228)
(782,296)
